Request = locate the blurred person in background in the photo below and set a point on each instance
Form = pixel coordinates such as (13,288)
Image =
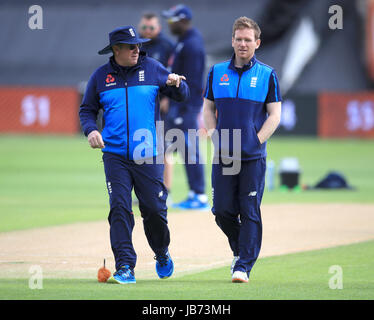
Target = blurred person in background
(241,93)
(159,47)
(188,60)
(127,89)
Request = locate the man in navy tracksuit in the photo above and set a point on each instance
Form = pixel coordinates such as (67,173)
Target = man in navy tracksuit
(188,60)
(241,94)
(127,88)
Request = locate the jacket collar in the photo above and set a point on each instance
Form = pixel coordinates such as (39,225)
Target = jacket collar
(246,67)
(113,67)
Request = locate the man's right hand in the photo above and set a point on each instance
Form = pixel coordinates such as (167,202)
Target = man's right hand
(95,140)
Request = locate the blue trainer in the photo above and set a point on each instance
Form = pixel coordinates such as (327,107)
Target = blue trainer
(164,266)
(194,201)
(123,276)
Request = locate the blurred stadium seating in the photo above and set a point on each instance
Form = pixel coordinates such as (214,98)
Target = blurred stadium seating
(310,58)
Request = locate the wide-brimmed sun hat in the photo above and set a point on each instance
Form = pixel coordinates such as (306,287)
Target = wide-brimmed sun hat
(125,34)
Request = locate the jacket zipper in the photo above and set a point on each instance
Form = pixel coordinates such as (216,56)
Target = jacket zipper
(127,123)
(240,77)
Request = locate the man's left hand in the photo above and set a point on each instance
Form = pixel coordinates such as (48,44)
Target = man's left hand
(174,79)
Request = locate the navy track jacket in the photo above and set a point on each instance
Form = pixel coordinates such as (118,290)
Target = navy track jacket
(160,48)
(128,97)
(189,61)
(240,97)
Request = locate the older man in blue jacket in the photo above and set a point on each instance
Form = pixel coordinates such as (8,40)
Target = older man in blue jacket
(127,88)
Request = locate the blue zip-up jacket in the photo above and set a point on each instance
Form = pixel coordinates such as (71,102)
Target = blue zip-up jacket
(189,61)
(240,96)
(128,98)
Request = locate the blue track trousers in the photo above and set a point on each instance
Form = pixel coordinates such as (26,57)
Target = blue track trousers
(147,180)
(236,206)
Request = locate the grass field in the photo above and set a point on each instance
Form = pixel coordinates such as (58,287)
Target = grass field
(301,276)
(47,181)
(55,180)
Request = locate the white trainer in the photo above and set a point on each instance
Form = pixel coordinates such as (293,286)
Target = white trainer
(239,277)
(236,258)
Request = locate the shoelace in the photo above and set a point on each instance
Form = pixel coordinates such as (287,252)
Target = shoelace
(162,259)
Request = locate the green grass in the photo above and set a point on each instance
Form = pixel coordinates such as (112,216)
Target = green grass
(303,276)
(49,181)
(353,158)
(57,180)
(53,180)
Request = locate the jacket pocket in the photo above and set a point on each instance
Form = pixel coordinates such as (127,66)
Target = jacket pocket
(256,136)
(251,145)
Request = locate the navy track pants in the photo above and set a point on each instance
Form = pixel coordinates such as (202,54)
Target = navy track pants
(147,180)
(236,206)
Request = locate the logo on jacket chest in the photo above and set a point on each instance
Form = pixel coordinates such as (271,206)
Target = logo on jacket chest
(253,82)
(224,80)
(110,81)
(141,75)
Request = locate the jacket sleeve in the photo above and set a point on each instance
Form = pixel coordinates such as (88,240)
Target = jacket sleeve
(90,107)
(208,94)
(274,94)
(178,94)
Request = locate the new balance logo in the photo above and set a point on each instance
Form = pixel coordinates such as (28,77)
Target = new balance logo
(141,75)
(252,194)
(253,82)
